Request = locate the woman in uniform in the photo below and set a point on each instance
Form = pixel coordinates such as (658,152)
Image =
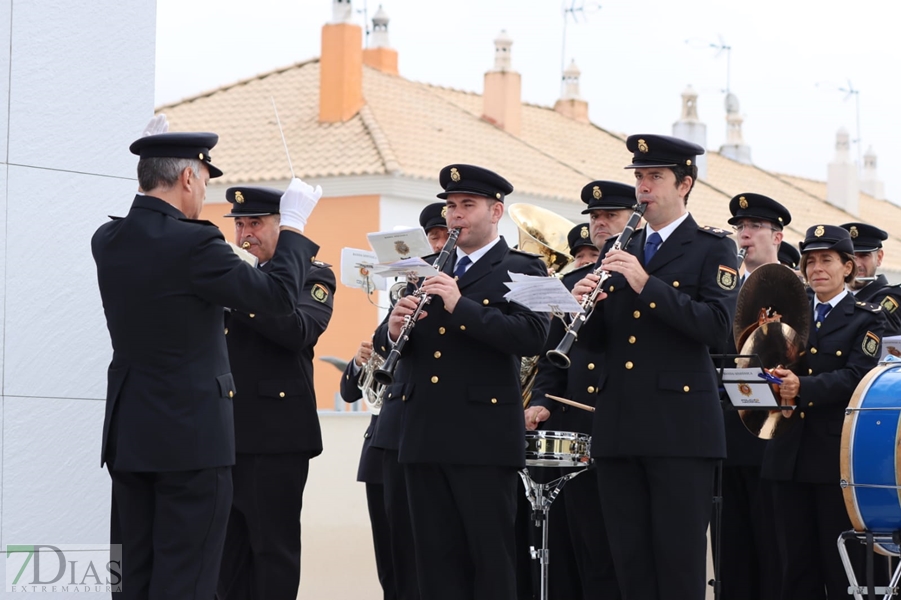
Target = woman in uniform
(804,462)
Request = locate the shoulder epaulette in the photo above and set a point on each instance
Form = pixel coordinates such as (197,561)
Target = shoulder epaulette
(319,263)
(114,218)
(524,253)
(721,233)
(868,306)
(198,221)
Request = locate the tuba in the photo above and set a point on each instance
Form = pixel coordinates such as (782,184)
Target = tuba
(373,392)
(772,321)
(541,232)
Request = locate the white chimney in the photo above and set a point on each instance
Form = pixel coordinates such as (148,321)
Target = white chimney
(380,29)
(842,188)
(735,147)
(501,100)
(571,103)
(869,181)
(690,128)
(342,11)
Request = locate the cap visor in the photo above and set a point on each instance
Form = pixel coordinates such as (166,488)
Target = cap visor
(650,165)
(255,214)
(610,207)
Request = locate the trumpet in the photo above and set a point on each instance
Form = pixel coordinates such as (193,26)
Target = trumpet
(373,392)
(558,357)
(385,374)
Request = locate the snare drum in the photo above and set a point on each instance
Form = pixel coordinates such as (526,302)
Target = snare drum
(557,449)
(870,465)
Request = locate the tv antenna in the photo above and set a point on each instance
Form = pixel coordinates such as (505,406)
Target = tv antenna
(575,9)
(849,90)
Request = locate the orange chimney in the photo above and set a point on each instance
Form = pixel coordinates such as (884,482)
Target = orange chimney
(380,56)
(340,72)
(571,104)
(501,100)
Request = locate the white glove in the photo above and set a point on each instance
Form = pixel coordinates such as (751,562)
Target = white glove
(297,203)
(158,124)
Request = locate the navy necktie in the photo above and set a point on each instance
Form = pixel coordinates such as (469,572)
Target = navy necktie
(822,310)
(650,246)
(461,266)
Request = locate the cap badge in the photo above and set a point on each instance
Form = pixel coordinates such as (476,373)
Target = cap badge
(596,192)
(444,212)
(455,174)
(239,197)
(642,146)
(854,232)
(584,232)
(819,231)
(742,202)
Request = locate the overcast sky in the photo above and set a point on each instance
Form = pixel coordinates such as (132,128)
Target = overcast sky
(788,60)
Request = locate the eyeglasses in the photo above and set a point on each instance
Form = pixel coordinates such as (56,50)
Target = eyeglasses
(753,227)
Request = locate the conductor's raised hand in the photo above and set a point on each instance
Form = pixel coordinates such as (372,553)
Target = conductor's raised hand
(297,203)
(620,261)
(405,307)
(445,287)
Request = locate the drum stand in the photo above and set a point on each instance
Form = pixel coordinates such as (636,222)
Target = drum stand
(868,539)
(541,496)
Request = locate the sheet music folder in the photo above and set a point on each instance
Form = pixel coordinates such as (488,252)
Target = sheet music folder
(747,388)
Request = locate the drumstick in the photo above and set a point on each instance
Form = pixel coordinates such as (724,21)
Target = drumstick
(571,402)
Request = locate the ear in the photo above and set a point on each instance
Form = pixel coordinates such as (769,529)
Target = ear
(497,211)
(685,186)
(879,256)
(186,178)
(778,237)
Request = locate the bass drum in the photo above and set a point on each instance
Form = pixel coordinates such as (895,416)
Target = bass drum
(871,454)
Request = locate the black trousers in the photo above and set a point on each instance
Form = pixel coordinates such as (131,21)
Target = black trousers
(261,560)
(657,510)
(588,538)
(463,526)
(172,528)
(403,551)
(381,539)
(749,555)
(809,519)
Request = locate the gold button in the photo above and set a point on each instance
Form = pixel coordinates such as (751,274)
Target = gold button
(226,331)
(653,305)
(838,352)
(802,415)
(462,327)
(631,339)
(810,404)
(441,331)
(494,400)
(281,394)
(437,354)
(686,389)
(590,389)
(675,284)
(591,366)
(403,398)
(813,350)
(231,394)
(485,301)
(383,349)
(434,379)
(390,394)
(629,364)
(810,371)
(636,314)
(611,288)
(251,315)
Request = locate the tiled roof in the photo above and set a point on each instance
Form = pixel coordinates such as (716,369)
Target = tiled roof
(414,129)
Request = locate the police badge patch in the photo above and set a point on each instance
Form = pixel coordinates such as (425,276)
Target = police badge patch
(889,304)
(870,344)
(726,277)
(319,293)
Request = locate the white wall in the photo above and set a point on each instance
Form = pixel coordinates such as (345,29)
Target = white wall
(76,88)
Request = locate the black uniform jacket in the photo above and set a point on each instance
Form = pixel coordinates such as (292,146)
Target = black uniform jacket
(578,382)
(456,398)
(164,280)
(370,468)
(888,296)
(272,361)
(657,395)
(838,355)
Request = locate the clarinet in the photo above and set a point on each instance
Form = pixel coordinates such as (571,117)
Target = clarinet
(741,256)
(385,374)
(558,357)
